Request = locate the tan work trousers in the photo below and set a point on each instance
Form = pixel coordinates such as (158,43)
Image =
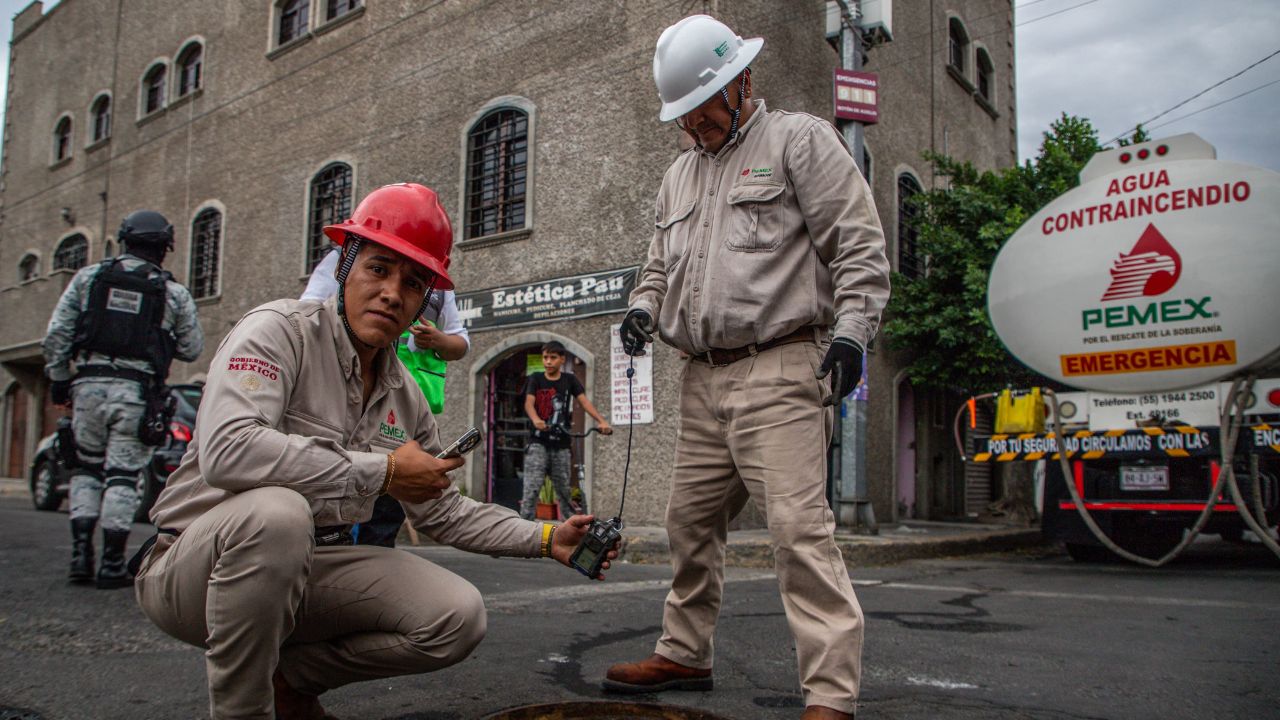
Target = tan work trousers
(247,583)
(757,428)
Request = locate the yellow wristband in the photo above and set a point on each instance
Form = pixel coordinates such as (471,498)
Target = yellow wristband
(548,531)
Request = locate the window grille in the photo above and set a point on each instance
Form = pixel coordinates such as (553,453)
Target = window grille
(62,139)
(958,45)
(497,173)
(909,261)
(293,20)
(189,65)
(986,76)
(154,89)
(206,245)
(72,253)
(330,204)
(102,118)
(338,8)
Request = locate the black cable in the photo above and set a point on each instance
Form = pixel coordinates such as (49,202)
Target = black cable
(631,431)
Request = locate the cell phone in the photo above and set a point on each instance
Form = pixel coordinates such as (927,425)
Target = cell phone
(462,445)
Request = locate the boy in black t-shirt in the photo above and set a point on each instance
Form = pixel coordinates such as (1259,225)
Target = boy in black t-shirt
(548,401)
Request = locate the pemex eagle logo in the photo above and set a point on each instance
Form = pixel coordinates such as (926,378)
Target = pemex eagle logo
(1150,268)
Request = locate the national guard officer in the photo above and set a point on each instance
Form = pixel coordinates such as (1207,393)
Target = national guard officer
(107,351)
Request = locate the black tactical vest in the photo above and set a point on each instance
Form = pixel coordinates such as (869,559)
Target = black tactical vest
(125,316)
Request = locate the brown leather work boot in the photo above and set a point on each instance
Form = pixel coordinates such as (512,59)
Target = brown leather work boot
(822,712)
(293,705)
(654,674)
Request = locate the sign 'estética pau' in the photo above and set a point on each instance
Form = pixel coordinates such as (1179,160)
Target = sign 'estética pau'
(1160,271)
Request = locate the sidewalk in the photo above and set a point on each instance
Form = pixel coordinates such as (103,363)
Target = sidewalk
(912,540)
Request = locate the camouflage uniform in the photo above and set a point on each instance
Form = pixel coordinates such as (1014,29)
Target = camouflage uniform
(106,410)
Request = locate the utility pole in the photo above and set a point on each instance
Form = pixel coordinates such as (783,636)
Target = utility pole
(853,500)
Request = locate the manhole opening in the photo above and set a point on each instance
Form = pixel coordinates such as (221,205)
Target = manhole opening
(602,711)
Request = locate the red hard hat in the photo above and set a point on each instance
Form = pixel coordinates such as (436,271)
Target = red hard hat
(407,218)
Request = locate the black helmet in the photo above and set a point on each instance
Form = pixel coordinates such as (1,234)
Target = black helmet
(146,227)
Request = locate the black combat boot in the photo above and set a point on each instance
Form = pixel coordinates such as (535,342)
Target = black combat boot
(113,573)
(82,549)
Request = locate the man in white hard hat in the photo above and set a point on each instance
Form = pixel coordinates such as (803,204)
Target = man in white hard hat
(767,269)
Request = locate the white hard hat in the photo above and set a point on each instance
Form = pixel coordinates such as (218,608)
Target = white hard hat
(694,59)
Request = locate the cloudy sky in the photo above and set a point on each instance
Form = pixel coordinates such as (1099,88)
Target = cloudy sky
(1121,62)
(1118,63)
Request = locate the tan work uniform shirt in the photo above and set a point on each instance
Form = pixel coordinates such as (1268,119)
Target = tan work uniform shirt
(775,232)
(283,407)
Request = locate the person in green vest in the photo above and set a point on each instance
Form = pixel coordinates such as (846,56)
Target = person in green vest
(426,348)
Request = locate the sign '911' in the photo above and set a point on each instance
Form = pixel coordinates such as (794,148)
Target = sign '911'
(1157,273)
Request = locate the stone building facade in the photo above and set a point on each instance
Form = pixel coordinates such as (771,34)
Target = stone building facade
(250,124)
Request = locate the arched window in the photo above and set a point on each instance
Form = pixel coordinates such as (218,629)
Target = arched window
(293,20)
(72,253)
(958,45)
(153,89)
(206,245)
(62,139)
(330,204)
(909,261)
(337,8)
(189,64)
(101,114)
(986,77)
(29,267)
(497,173)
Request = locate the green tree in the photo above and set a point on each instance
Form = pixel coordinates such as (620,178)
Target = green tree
(940,318)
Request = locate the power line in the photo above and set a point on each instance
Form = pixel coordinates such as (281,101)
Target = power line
(1193,97)
(1210,107)
(1032,2)
(1056,12)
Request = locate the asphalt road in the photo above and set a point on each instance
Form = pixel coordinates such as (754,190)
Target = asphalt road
(1009,636)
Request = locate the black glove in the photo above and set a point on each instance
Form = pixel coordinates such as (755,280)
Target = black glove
(60,392)
(844,362)
(636,331)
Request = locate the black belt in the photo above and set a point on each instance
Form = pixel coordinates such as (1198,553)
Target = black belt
(110,372)
(720,358)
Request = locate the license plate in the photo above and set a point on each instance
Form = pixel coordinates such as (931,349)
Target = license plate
(1144,477)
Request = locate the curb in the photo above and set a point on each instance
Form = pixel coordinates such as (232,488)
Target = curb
(857,551)
(14,487)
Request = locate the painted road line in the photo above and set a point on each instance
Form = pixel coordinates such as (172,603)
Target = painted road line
(1038,594)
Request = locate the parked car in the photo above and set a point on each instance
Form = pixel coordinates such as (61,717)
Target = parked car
(51,479)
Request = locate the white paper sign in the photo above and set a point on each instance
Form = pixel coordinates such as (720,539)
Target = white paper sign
(641,398)
(1196,406)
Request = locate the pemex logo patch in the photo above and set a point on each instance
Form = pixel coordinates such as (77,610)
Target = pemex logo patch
(388,429)
(1151,268)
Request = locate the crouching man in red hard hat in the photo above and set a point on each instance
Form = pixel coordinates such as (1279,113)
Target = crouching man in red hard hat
(308,417)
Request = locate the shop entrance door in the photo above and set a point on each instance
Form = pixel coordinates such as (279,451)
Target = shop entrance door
(17,431)
(508,428)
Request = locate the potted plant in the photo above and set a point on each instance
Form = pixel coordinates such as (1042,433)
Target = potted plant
(547,508)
